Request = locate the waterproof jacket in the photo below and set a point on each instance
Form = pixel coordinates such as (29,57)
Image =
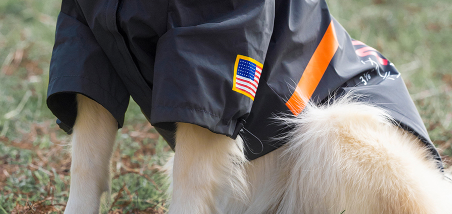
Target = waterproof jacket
(227,65)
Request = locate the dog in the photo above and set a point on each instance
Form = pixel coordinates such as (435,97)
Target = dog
(289,147)
(361,163)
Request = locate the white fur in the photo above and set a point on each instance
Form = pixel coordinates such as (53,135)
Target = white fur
(349,156)
(345,156)
(92,146)
(205,165)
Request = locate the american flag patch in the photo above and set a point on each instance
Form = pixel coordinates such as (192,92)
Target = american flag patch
(247,73)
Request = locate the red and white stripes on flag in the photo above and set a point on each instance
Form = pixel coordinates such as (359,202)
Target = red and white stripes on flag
(247,73)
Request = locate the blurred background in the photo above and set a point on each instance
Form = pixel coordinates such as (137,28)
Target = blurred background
(416,35)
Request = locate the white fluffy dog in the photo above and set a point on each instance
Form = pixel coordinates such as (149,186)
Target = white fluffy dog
(345,157)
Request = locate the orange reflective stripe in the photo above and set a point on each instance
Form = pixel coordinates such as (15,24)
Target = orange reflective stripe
(314,71)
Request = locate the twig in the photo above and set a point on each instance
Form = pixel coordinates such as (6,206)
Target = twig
(117,197)
(5,128)
(41,169)
(15,112)
(19,108)
(147,177)
(30,205)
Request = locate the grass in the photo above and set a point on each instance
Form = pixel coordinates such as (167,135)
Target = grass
(415,35)
(34,154)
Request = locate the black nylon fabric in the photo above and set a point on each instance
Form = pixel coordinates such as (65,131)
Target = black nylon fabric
(176,58)
(79,65)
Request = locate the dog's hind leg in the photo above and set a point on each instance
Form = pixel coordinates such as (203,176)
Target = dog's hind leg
(92,146)
(205,163)
(348,157)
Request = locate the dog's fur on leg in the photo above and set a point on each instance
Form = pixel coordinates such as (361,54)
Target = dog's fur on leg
(205,164)
(92,146)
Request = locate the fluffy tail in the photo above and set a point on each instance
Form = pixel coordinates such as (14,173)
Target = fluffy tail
(348,157)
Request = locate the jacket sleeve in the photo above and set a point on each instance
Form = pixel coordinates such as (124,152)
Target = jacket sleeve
(79,65)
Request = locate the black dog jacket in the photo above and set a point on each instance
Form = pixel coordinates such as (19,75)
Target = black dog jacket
(226,65)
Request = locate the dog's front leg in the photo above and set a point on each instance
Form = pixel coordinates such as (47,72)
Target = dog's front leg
(92,145)
(205,164)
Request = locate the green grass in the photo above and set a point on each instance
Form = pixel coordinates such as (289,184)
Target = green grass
(415,35)
(34,153)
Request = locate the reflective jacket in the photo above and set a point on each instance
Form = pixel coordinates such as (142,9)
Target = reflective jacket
(226,65)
